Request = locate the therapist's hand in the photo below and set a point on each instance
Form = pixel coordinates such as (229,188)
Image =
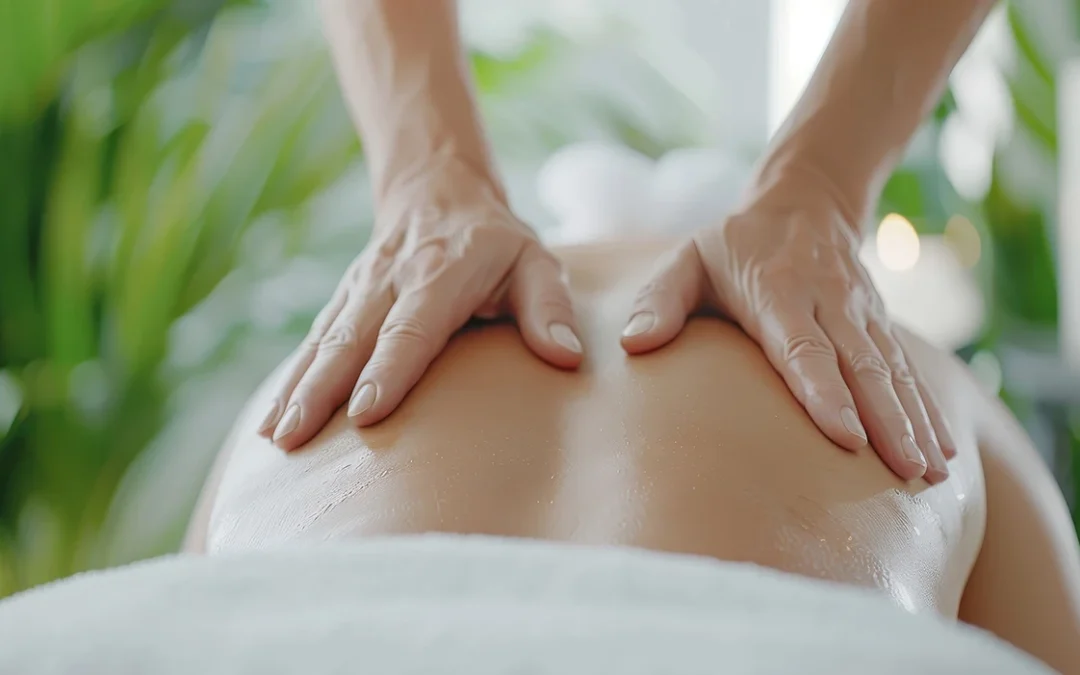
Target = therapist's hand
(790,276)
(446,248)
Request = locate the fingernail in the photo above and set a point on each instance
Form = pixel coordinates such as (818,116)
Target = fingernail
(639,323)
(288,423)
(271,417)
(362,400)
(851,422)
(911,451)
(935,461)
(564,336)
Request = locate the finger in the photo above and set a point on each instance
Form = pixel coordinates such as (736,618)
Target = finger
(339,357)
(871,382)
(417,328)
(540,300)
(801,352)
(663,304)
(937,418)
(907,391)
(299,362)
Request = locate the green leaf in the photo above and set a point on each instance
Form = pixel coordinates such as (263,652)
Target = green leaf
(136,164)
(1041,130)
(945,107)
(1025,283)
(1032,86)
(238,185)
(1026,45)
(318,148)
(25,163)
(38,37)
(154,276)
(494,74)
(71,209)
(903,194)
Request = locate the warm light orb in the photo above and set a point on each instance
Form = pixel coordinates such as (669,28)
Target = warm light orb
(897,243)
(963,239)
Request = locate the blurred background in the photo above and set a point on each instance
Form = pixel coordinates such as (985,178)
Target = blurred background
(180,190)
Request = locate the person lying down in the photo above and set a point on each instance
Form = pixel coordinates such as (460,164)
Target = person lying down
(677,506)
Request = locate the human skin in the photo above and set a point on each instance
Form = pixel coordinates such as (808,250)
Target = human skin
(446,246)
(785,264)
(697,448)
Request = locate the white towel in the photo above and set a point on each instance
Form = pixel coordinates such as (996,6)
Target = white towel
(474,605)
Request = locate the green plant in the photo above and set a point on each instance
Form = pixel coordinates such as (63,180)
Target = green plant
(139,141)
(131,165)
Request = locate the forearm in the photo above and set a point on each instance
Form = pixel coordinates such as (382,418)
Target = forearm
(882,73)
(408,87)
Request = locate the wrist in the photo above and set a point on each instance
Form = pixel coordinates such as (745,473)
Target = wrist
(443,163)
(786,186)
(443,186)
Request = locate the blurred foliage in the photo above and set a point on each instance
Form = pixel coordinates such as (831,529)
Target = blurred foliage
(1022,286)
(139,141)
(132,163)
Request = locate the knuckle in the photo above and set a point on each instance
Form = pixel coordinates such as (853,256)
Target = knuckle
(485,232)
(798,347)
(830,389)
(382,250)
(408,330)
(322,322)
(430,257)
(339,338)
(868,365)
(365,267)
(902,376)
(311,341)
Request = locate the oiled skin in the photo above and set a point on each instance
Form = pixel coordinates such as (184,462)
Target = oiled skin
(698,448)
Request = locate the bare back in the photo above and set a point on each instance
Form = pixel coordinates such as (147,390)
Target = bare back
(697,448)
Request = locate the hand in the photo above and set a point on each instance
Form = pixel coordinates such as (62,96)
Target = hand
(445,248)
(792,279)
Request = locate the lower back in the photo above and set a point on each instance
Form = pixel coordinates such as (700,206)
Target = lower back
(696,448)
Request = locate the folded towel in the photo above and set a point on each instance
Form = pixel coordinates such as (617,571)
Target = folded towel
(474,605)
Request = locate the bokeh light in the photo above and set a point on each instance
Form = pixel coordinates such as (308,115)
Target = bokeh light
(897,243)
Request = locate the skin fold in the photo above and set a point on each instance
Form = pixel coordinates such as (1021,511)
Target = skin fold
(698,447)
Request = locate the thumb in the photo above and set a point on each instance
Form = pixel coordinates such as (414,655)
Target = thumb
(664,303)
(540,300)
